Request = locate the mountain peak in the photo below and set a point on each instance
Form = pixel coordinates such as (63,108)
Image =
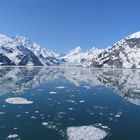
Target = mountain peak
(21,39)
(18,50)
(3,37)
(76,50)
(135,35)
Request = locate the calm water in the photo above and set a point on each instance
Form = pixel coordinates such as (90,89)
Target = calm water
(64,98)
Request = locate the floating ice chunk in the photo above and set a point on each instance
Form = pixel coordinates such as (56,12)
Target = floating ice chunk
(33,117)
(101,126)
(87,87)
(18,100)
(70,101)
(18,116)
(15,128)
(71,108)
(72,96)
(44,123)
(49,125)
(82,101)
(4,106)
(105,127)
(118,116)
(60,87)
(85,133)
(1,113)
(53,92)
(12,136)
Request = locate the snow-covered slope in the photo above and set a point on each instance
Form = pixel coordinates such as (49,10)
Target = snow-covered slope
(124,54)
(79,57)
(19,50)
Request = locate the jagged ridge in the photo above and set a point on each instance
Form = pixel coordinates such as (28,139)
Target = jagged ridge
(19,50)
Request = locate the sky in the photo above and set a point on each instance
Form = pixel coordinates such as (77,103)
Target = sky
(61,25)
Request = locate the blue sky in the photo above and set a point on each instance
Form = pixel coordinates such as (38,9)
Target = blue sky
(60,25)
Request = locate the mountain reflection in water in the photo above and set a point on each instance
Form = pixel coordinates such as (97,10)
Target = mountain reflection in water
(124,82)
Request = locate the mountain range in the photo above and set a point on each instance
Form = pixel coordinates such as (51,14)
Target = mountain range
(21,51)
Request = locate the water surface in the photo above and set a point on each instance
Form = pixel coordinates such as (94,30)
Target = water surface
(65,98)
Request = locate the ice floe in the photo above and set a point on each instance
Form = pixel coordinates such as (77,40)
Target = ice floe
(118,116)
(33,117)
(44,123)
(85,133)
(71,101)
(18,116)
(15,128)
(18,100)
(82,101)
(49,125)
(2,113)
(12,136)
(60,87)
(87,87)
(71,108)
(53,92)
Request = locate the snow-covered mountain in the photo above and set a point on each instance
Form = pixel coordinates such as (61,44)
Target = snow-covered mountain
(19,50)
(79,57)
(124,54)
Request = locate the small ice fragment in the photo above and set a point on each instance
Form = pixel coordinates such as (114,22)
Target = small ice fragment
(1,113)
(36,111)
(87,87)
(18,116)
(33,117)
(4,106)
(12,136)
(71,101)
(82,101)
(15,128)
(26,112)
(60,87)
(44,123)
(53,92)
(101,113)
(99,124)
(72,96)
(118,116)
(91,113)
(18,100)
(105,127)
(71,108)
